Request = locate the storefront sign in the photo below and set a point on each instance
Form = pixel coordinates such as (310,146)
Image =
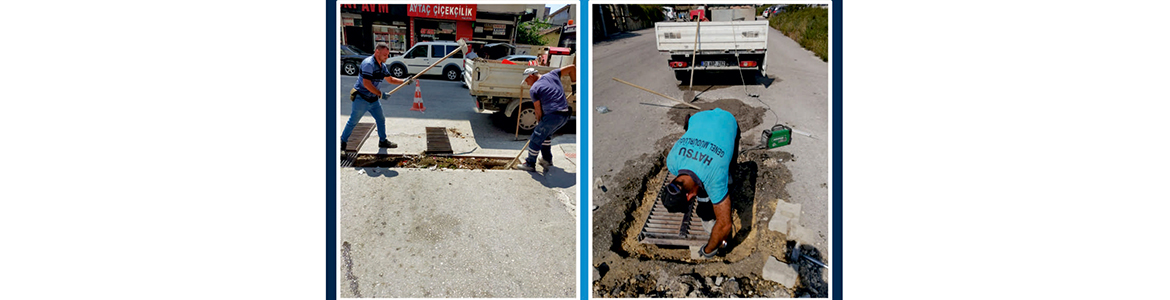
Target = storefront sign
(499,29)
(463,12)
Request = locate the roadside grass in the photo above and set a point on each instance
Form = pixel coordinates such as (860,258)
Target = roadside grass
(808,26)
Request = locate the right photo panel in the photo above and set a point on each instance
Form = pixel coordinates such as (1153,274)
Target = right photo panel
(710,150)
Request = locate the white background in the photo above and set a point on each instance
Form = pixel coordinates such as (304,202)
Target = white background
(992,150)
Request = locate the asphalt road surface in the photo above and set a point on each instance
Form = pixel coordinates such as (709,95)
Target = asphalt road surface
(796,88)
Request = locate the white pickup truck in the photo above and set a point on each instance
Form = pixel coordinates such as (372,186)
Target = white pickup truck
(496,87)
(727,46)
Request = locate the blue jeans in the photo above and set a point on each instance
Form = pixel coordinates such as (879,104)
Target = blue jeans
(541,140)
(359,108)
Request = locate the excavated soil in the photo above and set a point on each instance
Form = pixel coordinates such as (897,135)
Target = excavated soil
(423,161)
(626,268)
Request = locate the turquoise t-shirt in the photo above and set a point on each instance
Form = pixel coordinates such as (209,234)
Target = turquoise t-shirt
(706,150)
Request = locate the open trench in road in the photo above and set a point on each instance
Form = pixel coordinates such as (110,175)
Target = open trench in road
(428,161)
(628,268)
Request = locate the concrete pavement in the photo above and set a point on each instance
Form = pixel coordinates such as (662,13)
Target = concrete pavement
(457,233)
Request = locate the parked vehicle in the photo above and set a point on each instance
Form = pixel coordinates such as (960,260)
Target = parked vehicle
(771,10)
(423,55)
(738,13)
(519,58)
(351,60)
(496,87)
(734,46)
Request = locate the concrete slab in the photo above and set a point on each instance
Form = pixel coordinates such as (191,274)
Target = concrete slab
(779,272)
(458,233)
(801,234)
(786,215)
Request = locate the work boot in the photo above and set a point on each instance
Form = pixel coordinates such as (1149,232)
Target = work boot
(386,144)
(546,164)
(524,166)
(343,144)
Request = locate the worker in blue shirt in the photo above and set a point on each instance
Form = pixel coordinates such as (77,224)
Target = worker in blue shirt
(373,71)
(552,111)
(701,161)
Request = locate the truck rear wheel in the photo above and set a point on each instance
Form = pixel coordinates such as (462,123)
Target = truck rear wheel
(527,117)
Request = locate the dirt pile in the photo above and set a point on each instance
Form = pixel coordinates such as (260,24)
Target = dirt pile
(662,284)
(748,117)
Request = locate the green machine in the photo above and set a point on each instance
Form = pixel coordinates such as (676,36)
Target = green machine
(778,136)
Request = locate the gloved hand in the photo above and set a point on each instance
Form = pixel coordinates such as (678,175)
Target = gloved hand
(385,96)
(406,81)
(707,255)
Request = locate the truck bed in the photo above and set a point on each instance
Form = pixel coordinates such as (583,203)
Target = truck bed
(495,85)
(485,77)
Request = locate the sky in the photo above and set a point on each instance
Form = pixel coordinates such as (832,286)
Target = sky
(554,7)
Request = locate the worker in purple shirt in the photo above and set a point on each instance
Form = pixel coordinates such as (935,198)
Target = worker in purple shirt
(552,109)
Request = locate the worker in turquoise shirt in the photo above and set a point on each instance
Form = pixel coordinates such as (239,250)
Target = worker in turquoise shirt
(701,161)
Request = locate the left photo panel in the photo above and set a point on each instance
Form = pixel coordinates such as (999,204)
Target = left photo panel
(457,173)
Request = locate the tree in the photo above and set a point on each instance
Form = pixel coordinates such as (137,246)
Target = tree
(529,33)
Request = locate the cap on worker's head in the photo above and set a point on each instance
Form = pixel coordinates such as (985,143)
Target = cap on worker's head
(529,71)
(674,198)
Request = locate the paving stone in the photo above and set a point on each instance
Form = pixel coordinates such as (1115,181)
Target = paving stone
(779,272)
(779,223)
(802,235)
(785,213)
(792,210)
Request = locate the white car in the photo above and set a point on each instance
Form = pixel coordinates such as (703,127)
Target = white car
(423,55)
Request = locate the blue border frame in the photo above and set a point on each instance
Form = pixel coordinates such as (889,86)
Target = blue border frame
(583,44)
(331,149)
(835,58)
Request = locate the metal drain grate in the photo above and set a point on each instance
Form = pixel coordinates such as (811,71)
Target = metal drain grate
(676,229)
(357,137)
(437,141)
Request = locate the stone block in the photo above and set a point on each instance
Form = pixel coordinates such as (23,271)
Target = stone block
(779,224)
(784,208)
(779,272)
(802,235)
(786,213)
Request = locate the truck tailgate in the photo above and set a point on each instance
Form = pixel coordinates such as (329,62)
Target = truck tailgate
(713,36)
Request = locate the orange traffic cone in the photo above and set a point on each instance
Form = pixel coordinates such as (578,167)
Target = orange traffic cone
(418,104)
